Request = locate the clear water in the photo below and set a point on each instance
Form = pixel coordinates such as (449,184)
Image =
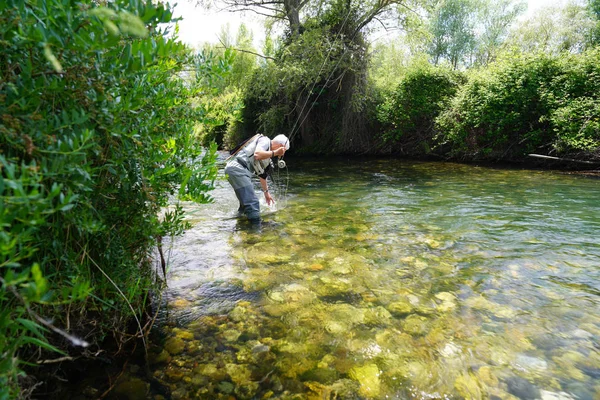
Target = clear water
(389,279)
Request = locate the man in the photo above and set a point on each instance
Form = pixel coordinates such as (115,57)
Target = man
(254,157)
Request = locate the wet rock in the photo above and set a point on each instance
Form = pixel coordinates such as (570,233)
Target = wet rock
(211,371)
(174,345)
(260,348)
(132,389)
(246,390)
(528,363)
(377,316)
(160,358)
(226,387)
(239,314)
(450,350)
(467,386)
(546,395)
(231,335)
(199,380)
(321,375)
(183,334)
(239,374)
(174,374)
(400,308)
(522,388)
(345,389)
(368,377)
(346,314)
(448,301)
(487,376)
(415,325)
(179,394)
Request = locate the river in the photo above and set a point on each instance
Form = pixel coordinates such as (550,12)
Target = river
(382,278)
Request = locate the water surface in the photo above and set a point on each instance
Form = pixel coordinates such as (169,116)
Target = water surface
(389,279)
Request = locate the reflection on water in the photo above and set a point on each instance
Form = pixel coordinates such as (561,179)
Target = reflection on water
(389,279)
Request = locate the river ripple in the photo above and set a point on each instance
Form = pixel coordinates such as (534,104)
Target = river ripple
(382,278)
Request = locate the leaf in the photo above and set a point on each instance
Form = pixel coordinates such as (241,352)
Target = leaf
(32,326)
(40,282)
(41,343)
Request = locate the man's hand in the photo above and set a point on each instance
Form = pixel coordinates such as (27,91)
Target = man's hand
(279,152)
(269,199)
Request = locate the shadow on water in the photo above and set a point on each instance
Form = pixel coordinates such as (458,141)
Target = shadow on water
(388,279)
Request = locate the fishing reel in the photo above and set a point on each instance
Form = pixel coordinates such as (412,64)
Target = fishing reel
(280,163)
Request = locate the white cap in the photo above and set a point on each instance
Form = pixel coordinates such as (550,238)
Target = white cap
(282,139)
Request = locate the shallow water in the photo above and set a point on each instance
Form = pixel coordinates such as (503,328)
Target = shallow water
(389,279)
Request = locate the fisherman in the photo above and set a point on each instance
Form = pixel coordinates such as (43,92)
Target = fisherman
(254,157)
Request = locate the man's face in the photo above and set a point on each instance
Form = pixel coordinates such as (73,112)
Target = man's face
(275,146)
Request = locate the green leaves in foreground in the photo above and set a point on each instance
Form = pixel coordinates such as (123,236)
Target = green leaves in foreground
(96,138)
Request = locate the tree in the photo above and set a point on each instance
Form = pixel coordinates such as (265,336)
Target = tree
(495,18)
(453,32)
(594,8)
(554,30)
(317,83)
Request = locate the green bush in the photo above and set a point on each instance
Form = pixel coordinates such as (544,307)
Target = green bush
(222,111)
(524,104)
(408,113)
(574,99)
(96,137)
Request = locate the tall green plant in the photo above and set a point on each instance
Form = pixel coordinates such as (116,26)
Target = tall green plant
(526,103)
(408,114)
(95,139)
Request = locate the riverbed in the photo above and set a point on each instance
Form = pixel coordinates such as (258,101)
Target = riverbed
(382,278)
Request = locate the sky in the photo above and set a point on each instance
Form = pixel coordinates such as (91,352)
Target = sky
(199,25)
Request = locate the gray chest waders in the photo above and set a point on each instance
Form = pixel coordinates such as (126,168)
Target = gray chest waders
(239,174)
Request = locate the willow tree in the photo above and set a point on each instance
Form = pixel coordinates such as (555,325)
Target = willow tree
(315,87)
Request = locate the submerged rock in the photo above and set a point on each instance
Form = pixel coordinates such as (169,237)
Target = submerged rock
(522,388)
(377,316)
(159,358)
(321,375)
(400,308)
(416,325)
(174,345)
(132,389)
(556,396)
(368,377)
(468,387)
(239,374)
(528,363)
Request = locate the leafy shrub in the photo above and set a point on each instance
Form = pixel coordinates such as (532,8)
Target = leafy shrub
(408,114)
(221,112)
(523,104)
(574,99)
(95,138)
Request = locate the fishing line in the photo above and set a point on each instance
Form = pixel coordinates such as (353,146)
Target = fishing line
(319,94)
(280,163)
(315,82)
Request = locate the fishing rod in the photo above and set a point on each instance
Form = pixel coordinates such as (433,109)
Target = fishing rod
(280,162)
(315,81)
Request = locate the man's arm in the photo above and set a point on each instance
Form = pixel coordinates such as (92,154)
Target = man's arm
(263,155)
(265,189)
